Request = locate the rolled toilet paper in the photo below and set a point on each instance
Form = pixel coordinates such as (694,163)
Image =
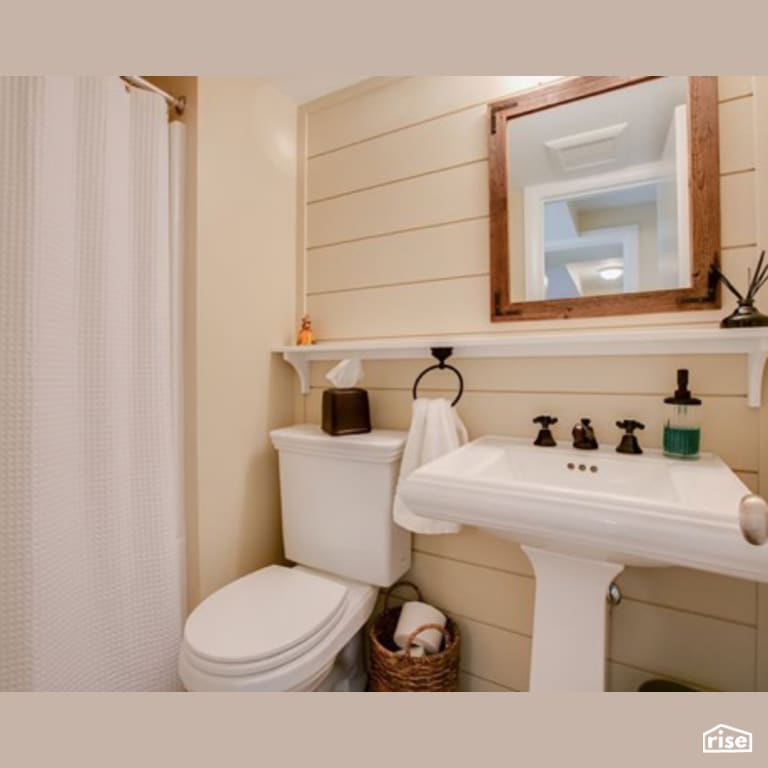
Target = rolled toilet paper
(414,615)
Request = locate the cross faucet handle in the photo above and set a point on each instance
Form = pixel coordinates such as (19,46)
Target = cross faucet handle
(629,425)
(545,437)
(629,442)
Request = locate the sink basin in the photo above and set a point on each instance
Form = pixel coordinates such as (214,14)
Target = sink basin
(581,516)
(633,510)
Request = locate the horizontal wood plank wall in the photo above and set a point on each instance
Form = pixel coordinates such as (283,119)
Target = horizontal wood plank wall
(761,179)
(397,245)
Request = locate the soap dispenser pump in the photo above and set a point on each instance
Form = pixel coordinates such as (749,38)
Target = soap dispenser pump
(682,422)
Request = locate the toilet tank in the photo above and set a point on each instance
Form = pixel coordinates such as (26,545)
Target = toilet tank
(336,495)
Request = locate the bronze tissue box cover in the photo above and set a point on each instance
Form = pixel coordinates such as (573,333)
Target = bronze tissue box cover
(346,411)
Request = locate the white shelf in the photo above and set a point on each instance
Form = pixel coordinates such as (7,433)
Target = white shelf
(700,340)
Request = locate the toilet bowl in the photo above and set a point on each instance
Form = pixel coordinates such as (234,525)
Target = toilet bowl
(300,628)
(278,629)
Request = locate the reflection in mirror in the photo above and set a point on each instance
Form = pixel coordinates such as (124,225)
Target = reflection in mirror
(597,198)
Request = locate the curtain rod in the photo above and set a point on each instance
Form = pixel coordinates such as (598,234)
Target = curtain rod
(139,82)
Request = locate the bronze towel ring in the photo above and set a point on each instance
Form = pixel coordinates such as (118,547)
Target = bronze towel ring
(441,354)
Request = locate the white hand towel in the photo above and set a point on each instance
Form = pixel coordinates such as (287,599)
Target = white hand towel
(435,430)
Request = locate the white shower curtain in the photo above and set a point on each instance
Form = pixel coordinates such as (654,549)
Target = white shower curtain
(90,532)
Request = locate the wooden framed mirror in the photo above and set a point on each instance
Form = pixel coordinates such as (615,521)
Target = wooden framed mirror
(604,198)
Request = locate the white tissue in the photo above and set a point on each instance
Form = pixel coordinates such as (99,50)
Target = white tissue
(346,374)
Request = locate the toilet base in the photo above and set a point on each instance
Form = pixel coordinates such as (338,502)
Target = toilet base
(348,673)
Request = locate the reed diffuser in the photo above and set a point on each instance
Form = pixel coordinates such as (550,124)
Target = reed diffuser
(746,315)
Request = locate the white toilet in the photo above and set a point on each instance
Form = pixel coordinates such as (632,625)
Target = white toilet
(300,628)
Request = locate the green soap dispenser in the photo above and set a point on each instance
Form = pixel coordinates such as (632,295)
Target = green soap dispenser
(682,421)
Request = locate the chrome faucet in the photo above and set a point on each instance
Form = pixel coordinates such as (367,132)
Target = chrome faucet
(584,436)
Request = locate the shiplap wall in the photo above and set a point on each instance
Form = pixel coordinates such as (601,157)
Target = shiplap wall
(395,226)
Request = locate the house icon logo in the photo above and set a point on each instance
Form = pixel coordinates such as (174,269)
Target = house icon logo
(726,738)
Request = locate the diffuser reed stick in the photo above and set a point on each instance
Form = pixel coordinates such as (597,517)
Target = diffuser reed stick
(746,314)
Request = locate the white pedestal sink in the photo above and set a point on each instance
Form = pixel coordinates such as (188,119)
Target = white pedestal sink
(581,516)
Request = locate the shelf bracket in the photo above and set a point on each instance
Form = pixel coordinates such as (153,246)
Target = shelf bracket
(755,365)
(300,364)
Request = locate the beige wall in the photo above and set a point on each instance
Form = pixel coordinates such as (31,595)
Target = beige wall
(396,229)
(239,301)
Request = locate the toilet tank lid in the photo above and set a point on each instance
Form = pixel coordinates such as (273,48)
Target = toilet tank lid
(379,445)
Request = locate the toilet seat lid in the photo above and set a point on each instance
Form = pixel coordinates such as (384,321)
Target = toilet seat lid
(263,614)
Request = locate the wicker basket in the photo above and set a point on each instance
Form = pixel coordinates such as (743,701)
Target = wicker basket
(393,669)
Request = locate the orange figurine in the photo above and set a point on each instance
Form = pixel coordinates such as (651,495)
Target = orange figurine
(306,334)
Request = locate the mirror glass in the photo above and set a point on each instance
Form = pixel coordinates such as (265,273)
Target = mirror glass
(598,194)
